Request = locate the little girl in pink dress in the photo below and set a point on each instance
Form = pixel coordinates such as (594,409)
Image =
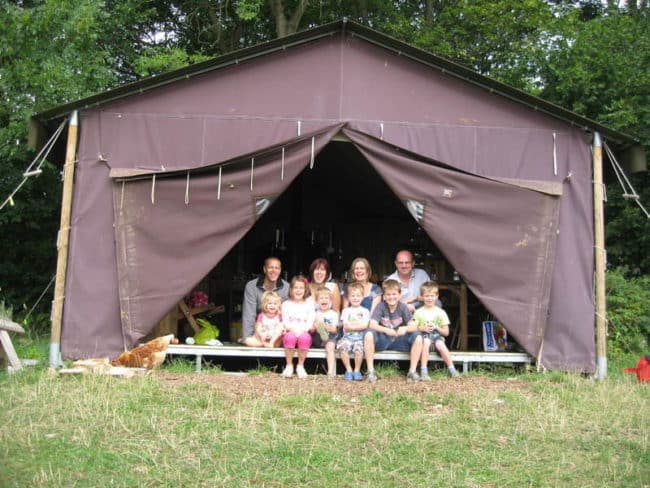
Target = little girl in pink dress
(298,315)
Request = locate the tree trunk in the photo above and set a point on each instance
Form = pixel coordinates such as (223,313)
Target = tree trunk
(428,13)
(283,25)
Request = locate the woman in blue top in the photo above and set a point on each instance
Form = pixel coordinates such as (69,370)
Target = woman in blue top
(360,272)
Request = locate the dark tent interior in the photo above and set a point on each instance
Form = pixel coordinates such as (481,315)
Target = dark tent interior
(339,209)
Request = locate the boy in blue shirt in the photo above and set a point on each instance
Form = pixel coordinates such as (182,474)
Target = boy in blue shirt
(390,330)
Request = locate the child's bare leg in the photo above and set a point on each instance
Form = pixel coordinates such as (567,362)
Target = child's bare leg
(253,341)
(424,359)
(330,354)
(288,354)
(369,351)
(358,360)
(345,359)
(302,355)
(446,357)
(444,353)
(416,352)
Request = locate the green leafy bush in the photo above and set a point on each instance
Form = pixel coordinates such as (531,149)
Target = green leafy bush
(628,311)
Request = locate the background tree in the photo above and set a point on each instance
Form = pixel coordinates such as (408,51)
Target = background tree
(603,72)
(51,52)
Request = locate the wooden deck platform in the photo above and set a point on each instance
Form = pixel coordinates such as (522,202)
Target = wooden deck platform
(466,358)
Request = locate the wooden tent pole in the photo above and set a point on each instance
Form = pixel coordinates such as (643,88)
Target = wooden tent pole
(62,241)
(599,248)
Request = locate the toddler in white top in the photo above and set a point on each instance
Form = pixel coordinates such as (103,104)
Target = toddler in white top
(268,325)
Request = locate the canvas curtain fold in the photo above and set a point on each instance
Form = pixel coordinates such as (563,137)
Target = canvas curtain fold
(499,235)
(171,232)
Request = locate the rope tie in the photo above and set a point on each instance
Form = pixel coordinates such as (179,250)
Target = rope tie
(219,185)
(187,189)
(153,189)
(282,166)
(554,153)
(252,171)
(311,161)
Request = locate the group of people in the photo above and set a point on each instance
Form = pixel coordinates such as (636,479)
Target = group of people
(356,320)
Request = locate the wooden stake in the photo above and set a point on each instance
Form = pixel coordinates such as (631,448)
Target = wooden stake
(599,252)
(62,241)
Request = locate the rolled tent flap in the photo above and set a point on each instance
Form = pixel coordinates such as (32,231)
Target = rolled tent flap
(172,229)
(499,235)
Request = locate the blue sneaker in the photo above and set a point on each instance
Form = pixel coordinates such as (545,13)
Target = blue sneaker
(348,376)
(357,376)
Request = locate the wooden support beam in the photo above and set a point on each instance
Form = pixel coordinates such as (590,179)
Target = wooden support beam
(600,259)
(63,239)
(7,346)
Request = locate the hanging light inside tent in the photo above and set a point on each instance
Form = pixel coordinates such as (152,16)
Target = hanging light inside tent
(153,188)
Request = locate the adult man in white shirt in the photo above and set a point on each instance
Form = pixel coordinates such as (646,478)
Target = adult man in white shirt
(410,279)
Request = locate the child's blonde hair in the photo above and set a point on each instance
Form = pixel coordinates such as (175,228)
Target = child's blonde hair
(428,286)
(391,285)
(323,290)
(299,279)
(267,296)
(354,286)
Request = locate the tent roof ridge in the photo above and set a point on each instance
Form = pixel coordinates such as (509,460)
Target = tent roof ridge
(356,30)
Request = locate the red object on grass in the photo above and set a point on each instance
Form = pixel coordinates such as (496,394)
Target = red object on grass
(642,369)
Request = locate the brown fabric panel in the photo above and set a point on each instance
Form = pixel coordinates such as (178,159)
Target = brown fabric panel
(165,248)
(91,318)
(160,142)
(500,237)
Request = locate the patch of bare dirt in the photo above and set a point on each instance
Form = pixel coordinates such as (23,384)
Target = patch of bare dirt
(274,386)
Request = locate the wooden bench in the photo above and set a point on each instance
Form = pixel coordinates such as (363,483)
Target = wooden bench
(8,350)
(466,358)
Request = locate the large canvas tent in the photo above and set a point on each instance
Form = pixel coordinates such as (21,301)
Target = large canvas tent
(500,181)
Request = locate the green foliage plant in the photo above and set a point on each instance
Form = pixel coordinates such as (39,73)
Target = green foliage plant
(628,312)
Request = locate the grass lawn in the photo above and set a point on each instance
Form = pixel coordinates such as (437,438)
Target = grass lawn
(550,430)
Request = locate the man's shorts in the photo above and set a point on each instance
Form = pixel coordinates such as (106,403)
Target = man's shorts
(399,343)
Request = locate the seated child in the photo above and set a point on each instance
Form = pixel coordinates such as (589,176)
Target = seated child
(268,325)
(327,325)
(355,320)
(433,323)
(390,329)
(298,316)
